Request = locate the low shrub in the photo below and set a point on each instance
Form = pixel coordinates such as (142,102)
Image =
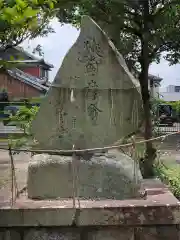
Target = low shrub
(170,175)
(23,119)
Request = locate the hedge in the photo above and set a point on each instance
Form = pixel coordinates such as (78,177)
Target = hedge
(170,175)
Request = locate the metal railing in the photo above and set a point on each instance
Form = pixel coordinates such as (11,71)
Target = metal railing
(168,129)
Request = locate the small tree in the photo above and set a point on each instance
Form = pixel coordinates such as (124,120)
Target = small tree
(22,120)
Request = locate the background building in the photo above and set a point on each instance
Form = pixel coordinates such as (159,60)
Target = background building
(28,76)
(154,85)
(171,93)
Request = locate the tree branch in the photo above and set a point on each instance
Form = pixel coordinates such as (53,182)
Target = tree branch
(132,30)
(164,6)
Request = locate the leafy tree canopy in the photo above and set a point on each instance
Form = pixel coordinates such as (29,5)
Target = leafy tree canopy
(129,22)
(22,19)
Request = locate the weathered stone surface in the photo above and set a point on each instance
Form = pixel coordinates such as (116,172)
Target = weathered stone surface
(157,233)
(9,234)
(108,176)
(155,218)
(111,234)
(92,213)
(94,99)
(52,234)
(159,208)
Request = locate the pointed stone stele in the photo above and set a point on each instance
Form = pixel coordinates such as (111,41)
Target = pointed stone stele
(93,102)
(94,99)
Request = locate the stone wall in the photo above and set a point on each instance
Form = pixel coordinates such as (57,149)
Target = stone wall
(154,218)
(94,233)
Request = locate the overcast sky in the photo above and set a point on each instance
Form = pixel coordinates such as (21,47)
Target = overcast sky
(56,45)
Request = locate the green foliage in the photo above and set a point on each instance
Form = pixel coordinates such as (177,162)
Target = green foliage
(175,108)
(24,117)
(170,175)
(175,105)
(22,19)
(130,23)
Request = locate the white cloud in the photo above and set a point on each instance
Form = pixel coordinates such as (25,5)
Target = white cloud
(56,45)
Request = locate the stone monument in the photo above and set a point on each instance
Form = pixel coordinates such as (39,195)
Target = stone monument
(93,102)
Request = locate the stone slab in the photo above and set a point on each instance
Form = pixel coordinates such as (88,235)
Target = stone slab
(160,209)
(52,234)
(157,233)
(7,234)
(110,233)
(88,233)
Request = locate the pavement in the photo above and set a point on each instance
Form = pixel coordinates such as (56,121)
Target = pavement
(21,165)
(5,131)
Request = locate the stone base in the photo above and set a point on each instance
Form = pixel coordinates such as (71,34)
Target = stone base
(155,218)
(109,175)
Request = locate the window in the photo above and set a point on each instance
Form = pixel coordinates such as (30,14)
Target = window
(177,88)
(43,73)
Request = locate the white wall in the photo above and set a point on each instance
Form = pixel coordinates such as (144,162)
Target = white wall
(170,96)
(170,89)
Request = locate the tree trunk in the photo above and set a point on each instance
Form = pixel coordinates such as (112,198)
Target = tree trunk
(147,164)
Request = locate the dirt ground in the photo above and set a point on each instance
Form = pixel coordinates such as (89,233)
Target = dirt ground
(21,163)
